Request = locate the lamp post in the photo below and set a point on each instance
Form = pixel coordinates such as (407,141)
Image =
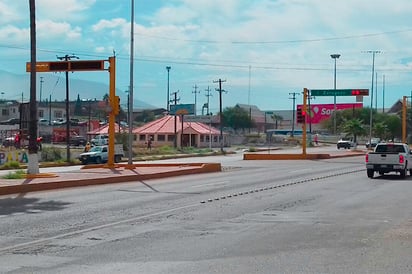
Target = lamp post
(168,92)
(334,56)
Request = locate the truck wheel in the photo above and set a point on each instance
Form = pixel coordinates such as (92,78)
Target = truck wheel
(117,158)
(98,160)
(370,173)
(403,173)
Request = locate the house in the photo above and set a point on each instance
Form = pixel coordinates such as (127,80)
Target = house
(188,134)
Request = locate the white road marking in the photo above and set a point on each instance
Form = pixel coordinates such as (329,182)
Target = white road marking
(212,184)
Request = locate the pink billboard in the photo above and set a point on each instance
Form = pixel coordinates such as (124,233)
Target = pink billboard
(320,112)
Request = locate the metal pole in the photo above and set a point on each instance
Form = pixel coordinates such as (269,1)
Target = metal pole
(168,92)
(130,94)
(371,110)
(383,94)
(334,56)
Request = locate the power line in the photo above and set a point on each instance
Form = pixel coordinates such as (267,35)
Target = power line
(279,41)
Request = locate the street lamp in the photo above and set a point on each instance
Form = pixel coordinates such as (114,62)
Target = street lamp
(168,93)
(334,56)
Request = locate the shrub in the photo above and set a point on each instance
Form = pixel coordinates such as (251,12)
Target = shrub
(11,165)
(19,174)
(51,154)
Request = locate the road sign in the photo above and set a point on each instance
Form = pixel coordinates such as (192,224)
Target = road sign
(339,92)
(86,65)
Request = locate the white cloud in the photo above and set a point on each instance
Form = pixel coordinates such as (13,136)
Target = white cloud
(50,30)
(62,10)
(13,34)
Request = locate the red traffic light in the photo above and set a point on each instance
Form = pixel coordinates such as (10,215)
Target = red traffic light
(356,92)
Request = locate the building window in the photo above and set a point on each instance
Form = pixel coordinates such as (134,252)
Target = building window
(161,138)
(41,113)
(207,138)
(5,112)
(142,137)
(170,138)
(58,114)
(215,139)
(202,138)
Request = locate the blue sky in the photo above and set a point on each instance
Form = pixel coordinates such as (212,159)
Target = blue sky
(263,49)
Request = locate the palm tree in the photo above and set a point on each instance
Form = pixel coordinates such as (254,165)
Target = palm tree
(277,118)
(354,127)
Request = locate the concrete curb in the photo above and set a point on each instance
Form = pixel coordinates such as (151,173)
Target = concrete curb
(312,156)
(31,186)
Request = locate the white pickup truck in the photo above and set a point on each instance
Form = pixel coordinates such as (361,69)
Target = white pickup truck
(99,154)
(389,157)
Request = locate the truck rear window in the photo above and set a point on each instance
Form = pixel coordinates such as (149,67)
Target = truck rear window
(390,148)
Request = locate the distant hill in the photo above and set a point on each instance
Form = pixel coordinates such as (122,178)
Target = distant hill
(15,86)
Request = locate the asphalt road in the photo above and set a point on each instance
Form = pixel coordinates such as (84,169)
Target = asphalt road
(302,216)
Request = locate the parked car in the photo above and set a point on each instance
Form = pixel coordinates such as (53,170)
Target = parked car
(8,142)
(59,121)
(374,142)
(99,154)
(11,121)
(78,140)
(43,122)
(100,140)
(346,143)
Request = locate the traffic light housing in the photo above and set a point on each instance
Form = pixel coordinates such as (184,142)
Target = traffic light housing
(300,116)
(356,92)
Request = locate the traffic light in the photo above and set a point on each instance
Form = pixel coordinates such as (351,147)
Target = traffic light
(356,92)
(301,115)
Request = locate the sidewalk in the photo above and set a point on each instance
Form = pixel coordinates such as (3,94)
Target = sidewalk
(99,174)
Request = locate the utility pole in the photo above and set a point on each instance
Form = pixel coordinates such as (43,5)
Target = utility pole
(41,86)
(33,163)
(175,100)
(130,92)
(334,56)
(208,94)
(371,107)
(220,111)
(383,94)
(67,58)
(195,92)
(168,92)
(293,110)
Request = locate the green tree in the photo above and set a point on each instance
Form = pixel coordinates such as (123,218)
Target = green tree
(78,106)
(236,118)
(146,116)
(355,128)
(394,125)
(277,118)
(380,130)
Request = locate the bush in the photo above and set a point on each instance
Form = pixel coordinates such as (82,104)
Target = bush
(19,174)
(11,165)
(51,154)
